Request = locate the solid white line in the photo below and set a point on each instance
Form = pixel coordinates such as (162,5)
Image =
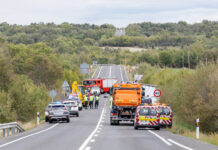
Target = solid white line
(165,141)
(92,134)
(94,73)
(110,72)
(3,145)
(126,75)
(88,148)
(183,146)
(121,74)
(99,72)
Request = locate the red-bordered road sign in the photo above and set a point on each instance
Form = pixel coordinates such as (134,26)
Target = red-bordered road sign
(157,93)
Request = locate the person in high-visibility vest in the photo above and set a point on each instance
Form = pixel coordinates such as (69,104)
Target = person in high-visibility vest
(96,101)
(86,101)
(91,99)
(111,102)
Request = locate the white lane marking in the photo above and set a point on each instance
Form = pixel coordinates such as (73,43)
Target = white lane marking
(110,72)
(93,140)
(88,148)
(121,74)
(165,141)
(183,146)
(99,72)
(94,73)
(3,145)
(93,133)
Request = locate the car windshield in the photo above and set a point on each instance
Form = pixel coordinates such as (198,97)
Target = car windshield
(164,111)
(147,111)
(69,103)
(87,82)
(56,107)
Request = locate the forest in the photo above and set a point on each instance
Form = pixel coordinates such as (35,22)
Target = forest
(38,57)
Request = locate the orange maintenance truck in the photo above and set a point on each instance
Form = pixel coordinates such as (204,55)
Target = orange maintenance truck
(126,98)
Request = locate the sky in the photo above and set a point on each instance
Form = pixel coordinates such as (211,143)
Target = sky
(117,12)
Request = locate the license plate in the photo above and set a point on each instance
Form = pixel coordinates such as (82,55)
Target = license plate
(142,118)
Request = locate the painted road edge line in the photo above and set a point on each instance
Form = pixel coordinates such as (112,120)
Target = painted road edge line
(183,146)
(94,73)
(165,141)
(3,145)
(82,147)
(99,72)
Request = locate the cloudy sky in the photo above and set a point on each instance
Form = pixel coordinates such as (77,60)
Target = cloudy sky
(117,12)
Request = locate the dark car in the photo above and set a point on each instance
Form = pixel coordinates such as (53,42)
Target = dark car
(58,112)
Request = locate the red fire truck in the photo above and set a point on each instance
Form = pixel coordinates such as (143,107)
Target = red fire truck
(104,84)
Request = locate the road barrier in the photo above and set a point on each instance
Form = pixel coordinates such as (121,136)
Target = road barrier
(7,127)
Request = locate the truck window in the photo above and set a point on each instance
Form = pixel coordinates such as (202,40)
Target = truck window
(147,112)
(99,82)
(166,111)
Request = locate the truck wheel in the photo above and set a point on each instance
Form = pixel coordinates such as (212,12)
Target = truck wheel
(111,122)
(118,122)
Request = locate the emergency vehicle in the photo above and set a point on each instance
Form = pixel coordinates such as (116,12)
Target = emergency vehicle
(105,85)
(147,117)
(166,115)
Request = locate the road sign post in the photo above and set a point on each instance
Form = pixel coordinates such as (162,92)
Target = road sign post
(37,118)
(197,128)
(53,94)
(66,88)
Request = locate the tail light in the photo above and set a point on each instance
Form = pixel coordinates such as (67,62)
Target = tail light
(113,114)
(51,109)
(65,108)
(74,106)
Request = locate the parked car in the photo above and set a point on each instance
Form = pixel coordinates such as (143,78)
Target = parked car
(58,112)
(147,117)
(95,90)
(72,106)
(79,102)
(166,116)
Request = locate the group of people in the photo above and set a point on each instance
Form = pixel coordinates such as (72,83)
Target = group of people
(91,100)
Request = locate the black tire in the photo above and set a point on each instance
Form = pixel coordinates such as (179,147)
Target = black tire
(117,122)
(46,119)
(157,128)
(136,128)
(111,122)
(68,120)
(50,121)
(77,115)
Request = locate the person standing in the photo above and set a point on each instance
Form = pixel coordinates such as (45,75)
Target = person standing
(96,101)
(91,99)
(111,102)
(86,102)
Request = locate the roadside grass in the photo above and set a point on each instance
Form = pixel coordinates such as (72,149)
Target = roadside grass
(184,129)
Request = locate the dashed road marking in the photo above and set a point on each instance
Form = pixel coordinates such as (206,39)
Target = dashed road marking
(92,140)
(88,148)
(82,147)
(183,146)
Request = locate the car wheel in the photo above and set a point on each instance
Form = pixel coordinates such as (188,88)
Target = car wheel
(157,128)
(46,119)
(77,115)
(68,120)
(50,121)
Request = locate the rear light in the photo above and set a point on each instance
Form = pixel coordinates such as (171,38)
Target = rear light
(51,109)
(65,108)
(113,114)
(74,106)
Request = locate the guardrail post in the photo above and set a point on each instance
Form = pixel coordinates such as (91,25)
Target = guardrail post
(37,118)
(13,130)
(197,128)
(3,132)
(8,131)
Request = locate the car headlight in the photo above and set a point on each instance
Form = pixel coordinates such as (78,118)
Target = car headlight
(46,113)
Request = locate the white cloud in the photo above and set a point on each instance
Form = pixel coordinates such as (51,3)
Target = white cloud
(117,12)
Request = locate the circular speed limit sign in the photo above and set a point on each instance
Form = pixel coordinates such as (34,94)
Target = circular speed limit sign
(157,93)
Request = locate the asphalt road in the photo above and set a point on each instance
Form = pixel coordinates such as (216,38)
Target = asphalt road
(92,131)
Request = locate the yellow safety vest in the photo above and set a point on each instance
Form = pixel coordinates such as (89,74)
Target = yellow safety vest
(96,98)
(86,99)
(91,98)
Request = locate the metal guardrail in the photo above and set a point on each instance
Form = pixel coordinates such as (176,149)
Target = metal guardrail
(7,127)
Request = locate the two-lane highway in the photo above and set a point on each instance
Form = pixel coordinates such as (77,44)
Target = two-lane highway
(92,131)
